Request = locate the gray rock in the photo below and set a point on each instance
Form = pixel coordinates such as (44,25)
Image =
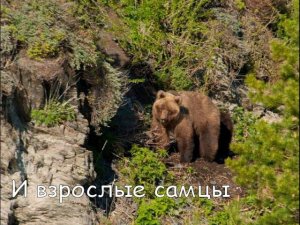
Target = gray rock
(41,155)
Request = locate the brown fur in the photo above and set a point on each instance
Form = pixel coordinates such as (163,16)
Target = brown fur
(186,116)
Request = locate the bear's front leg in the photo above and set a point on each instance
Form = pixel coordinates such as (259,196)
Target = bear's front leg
(185,142)
(161,136)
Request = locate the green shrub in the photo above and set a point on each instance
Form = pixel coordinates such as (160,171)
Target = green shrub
(150,211)
(54,113)
(166,34)
(180,80)
(46,45)
(35,24)
(240,4)
(268,162)
(7,43)
(46,30)
(89,13)
(145,168)
(84,53)
(243,121)
(112,87)
(230,215)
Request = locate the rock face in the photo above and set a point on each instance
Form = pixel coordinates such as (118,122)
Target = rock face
(54,156)
(44,157)
(41,155)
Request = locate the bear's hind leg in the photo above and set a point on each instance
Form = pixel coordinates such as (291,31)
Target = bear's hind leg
(209,140)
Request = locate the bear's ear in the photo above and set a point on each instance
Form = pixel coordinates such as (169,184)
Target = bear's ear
(178,100)
(160,94)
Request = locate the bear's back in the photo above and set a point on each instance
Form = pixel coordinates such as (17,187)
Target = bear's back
(200,108)
(198,102)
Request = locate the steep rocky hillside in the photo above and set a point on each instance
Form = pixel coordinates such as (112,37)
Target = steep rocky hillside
(78,79)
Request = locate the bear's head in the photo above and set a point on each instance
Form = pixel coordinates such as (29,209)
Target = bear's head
(166,108)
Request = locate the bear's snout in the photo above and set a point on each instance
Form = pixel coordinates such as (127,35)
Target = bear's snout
(164,116)
(163,121)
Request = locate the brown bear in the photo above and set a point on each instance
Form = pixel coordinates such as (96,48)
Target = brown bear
(188,115)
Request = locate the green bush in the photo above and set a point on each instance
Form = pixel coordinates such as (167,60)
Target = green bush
(243,121)
(89,13)
(112,87)
(7,42)
(268,162)
(150,211)
(166,34)
(180,80)
(145,168)
(46,45)
(54,113)
(35,24)
(84,52)
(46,29)
(229,216)
(240,4)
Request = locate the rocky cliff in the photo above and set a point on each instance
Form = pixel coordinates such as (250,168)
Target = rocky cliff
(56,155)
(68,53)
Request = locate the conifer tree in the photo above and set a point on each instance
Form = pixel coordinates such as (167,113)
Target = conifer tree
(268,161)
